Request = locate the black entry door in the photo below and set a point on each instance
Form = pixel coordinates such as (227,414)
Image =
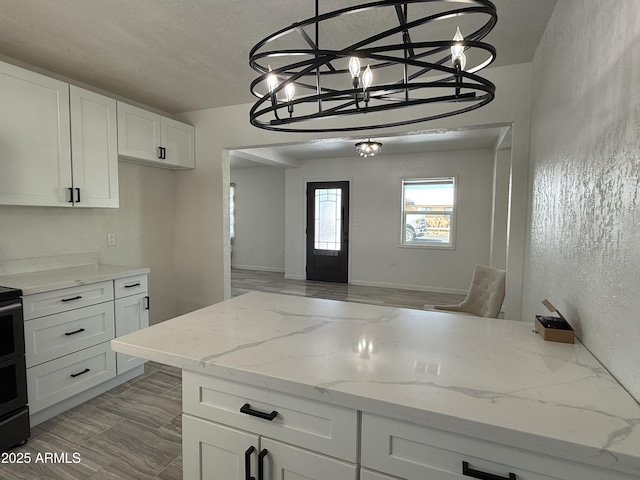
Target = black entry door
(328,231)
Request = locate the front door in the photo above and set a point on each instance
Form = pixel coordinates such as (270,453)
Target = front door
(327,231)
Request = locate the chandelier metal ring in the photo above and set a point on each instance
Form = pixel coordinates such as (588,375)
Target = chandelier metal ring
(321,80)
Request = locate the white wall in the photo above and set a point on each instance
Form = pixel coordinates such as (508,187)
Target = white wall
(376,257)
(584,251)
(259,214)
(202,259)
(143,226)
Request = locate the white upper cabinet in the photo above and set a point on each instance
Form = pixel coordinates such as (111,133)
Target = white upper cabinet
(148,138)
(58,144)
(94,147)
(179,142)
(35,153)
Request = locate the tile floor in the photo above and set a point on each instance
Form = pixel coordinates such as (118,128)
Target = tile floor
(134,431)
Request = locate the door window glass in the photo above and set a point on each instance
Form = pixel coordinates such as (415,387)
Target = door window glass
(328,219)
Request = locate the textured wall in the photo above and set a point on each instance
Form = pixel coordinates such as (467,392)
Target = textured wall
(584,243)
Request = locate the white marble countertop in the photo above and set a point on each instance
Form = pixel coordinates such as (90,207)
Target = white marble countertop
(486,378)
(55,278)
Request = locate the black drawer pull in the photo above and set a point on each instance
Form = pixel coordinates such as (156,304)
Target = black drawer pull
(469,472)
(261,456)
(131,285)
(247,463)
(71,299)
(74,332)
(74,375)
(246,408)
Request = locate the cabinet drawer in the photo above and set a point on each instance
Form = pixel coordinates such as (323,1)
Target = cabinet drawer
(65,299)
(411,452)
(124,287)
(313,425)
(59,379)
(56,335)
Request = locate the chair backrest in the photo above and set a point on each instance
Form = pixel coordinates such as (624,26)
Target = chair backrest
(486,292)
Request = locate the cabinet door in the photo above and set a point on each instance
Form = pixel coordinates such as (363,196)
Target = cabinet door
(215,452)
(285,462)
(179,141)
(94,147)
(35,151)
(131,315)
(138,133)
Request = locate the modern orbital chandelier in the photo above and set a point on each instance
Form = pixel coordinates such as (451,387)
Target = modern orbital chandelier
(310,84)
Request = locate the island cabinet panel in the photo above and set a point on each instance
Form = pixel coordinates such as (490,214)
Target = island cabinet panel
(316,426)
(213,451)
(286,462)
(415,452)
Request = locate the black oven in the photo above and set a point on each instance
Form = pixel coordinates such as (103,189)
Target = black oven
(14,412)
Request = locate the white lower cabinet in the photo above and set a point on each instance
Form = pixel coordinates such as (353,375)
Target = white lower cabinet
(57,380)
(415,452)
(211,451)
(132,314)
(278,436)
(370,475)
(67,340)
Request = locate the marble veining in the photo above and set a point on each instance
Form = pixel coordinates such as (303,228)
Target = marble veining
(487,378)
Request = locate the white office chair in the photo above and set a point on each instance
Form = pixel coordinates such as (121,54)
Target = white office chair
(485,296)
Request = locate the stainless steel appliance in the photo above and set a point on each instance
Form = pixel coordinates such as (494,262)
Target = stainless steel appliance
(14,412)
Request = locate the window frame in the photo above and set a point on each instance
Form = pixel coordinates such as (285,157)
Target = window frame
(452,213)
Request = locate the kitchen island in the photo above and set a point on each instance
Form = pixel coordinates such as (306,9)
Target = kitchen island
(330,390)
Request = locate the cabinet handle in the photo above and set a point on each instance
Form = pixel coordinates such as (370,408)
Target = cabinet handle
(78,297)
(70,195)
(247,463)
(131,285)
(78,192)
(469,472)
(246,408)
(74,332)
(147,303)
(162,153)
(261,456)
(74,375)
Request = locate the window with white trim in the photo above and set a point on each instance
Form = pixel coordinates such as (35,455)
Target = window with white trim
(428,212)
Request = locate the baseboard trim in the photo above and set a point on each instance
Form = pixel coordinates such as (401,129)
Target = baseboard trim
(260,269)
(403,286)
(290,276)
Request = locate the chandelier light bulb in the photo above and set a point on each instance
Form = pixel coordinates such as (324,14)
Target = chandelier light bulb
(289,91)
(367,78)
(457,49)
(354,67)
(368,148)
(272,81)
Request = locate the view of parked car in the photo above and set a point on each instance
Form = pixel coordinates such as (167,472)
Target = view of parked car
(416,226)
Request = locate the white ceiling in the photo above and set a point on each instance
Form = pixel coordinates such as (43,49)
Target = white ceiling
(184,55)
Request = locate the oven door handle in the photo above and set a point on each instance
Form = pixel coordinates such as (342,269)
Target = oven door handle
(13,306)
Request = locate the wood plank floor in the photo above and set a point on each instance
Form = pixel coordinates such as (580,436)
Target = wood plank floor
(134,431)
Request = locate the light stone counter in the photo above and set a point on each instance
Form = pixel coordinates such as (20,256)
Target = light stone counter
(487,378)
(56,278)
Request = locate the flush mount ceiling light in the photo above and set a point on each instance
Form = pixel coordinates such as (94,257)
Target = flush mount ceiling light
(370,59)
(368,148)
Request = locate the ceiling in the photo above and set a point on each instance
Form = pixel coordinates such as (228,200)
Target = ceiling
(289,155)
(184,55)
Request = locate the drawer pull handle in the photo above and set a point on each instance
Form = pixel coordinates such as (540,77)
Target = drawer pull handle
(131,285)
(74,375)
(470,472)
(261,456)
(74,332)
(246,408)
(247,463)
(78,297)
